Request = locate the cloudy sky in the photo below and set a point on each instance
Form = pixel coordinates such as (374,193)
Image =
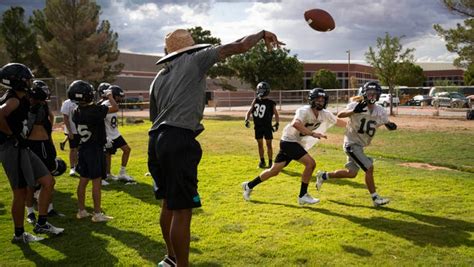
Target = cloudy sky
(142,24)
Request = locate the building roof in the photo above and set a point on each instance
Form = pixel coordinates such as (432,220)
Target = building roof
(437,66)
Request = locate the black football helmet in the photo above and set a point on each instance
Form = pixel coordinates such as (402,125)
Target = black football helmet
(60,167)
(371,86)
(314,94)
(16,76)
(102,87)
(116,91)
(39,90)
(263,89)
(81,91)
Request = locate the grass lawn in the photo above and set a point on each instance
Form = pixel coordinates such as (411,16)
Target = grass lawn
(430,220)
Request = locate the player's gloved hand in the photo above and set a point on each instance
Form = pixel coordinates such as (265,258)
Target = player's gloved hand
(360,107)
(275,127)
(109,143)
(391,126)
(247,123)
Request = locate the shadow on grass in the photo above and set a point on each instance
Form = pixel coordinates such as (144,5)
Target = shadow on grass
(141,191)
(86,243)
(2,209)
(433,230)
(358,251)
(291,173)
(348,182)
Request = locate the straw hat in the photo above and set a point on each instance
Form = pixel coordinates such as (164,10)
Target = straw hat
(178,42)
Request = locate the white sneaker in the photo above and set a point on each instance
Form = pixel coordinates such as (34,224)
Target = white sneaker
(112,177)
(47,228)
(319,179)
(380,201)
(125,177)
(104,182)
(247,191)
(101,217)
(307,199)
(73,172)
(82,214)
(26,238)
(166,262)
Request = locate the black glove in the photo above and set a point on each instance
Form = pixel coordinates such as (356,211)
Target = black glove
(360,107)
(247,123)
(391,126)
(275,126)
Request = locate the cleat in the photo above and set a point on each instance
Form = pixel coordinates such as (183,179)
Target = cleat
(31,218)
(54,213)
(247,191)
(262,165)
(380,201)
(166,262)
(307,199)
(319,179)
(73,172)
(101,217)
(26,238)
(104,182)
(82,214)
(111,177)
(125,178)
(47,228)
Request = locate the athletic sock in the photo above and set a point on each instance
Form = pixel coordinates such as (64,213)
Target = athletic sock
(270,162)
(42,219)
(254,182)
(122,170)
(19,231)
(325,176)
(303,189)
(374,195)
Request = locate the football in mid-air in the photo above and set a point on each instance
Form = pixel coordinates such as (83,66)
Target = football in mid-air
(319,20)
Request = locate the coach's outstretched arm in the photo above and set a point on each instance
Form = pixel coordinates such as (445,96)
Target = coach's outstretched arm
(244,44)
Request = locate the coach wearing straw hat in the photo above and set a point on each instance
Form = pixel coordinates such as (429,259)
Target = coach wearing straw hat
(176,109)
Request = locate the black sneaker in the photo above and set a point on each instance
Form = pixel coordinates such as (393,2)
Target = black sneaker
(54,213)
(31,218)
(47,228)
(262,165)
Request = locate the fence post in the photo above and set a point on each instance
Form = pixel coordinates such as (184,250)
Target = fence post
(279,92)
(228,99)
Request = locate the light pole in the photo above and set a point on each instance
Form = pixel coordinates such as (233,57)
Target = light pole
(348,68)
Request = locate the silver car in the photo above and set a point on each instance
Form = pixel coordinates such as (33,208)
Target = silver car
(450,99)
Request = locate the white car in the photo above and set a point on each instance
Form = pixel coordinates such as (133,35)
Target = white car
(384,100)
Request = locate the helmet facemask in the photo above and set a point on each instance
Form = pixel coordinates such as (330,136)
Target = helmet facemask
(371,96)
(319,103)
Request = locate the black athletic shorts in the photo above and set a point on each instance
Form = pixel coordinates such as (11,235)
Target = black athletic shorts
(263,131)
(173,159)
(116,144)
(289,151)
(74,143)
(91,162)
(46,151)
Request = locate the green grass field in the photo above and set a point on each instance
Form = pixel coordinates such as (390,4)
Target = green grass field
(430,220)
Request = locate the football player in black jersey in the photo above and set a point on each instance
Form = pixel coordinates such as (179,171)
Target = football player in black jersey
(40,126)
(262,110)
(89,119)
(23,168)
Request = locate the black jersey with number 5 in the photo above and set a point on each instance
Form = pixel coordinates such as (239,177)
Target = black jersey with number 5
(263,112)
(90,125)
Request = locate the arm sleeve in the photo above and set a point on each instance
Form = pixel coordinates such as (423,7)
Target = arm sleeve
(206,58)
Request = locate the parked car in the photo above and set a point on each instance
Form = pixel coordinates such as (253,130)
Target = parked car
(450,99)
(384,100)
(418,99)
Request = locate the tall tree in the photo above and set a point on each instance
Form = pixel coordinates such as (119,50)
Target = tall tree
(4,59)
(469,75)
(276,67)
(109,49)
(410,75)
(78,48)
(202,36)
(460,40)
(325,79)
(385,59)
(17,36)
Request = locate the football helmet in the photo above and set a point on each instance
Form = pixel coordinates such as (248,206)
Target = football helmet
(81,91)
(39,90)
(117,91)
(60,167)
(316,93)
(371,86)
(263,89)
(16,76)
(102,87)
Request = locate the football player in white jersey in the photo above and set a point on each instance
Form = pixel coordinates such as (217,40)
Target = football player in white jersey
(115,139)
(310,122)
(364,119)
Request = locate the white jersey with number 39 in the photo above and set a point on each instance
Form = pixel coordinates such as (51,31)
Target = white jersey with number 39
(361,127)
(111,123)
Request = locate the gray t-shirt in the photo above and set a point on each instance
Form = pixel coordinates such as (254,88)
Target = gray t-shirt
(177,94)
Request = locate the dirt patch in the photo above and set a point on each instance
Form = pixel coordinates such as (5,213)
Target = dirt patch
(424,166)
(433,123)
